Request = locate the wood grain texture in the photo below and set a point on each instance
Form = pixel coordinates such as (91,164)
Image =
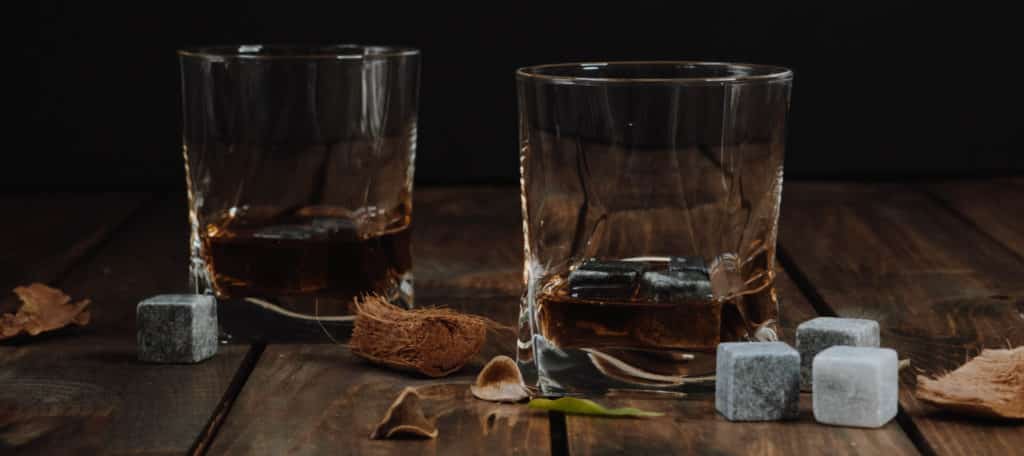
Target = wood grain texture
(47,233)
(68,398)
(940,289)
(85,392)
(995,206)
(692,426)
(319,399)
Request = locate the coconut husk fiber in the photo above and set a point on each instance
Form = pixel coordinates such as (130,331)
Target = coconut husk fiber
(434,342)
(990,385)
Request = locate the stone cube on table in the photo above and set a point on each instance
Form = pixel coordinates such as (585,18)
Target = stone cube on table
(757,381)
(856,386)
(815,335)
(176,328)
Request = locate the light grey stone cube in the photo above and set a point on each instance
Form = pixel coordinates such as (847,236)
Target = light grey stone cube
(814,336)
(856,386)
(176,328)
(757,381)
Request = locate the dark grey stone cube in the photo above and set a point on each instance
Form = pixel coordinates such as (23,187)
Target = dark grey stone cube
(686,279)
(815,335)
(688,264)
(176,328)
(610,279)
(757,381)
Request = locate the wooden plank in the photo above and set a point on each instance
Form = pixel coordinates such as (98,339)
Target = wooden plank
(320,399)
(693,427)
(85,392)
(49,232)
(467,251)
(939,288)
(993,205)
(68,398)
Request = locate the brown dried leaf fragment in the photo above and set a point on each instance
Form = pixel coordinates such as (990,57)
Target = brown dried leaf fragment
(42,309)
(500,381)
(990,385)
(434,342)
(405,418)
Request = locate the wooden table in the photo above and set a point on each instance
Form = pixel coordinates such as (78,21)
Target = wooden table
(939,264)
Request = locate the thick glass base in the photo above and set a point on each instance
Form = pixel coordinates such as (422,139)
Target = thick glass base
(561,372)
(574,344)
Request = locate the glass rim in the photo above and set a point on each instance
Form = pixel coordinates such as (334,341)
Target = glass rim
(258,51)
(759,73)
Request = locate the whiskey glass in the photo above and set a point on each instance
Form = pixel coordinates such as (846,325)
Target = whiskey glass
(650,199)
(299,164)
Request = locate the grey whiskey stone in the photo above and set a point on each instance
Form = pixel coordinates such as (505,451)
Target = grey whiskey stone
(856,386)
(688,264)
(614,279)
(176,328)
(757,381)
(815,335)
(686,278)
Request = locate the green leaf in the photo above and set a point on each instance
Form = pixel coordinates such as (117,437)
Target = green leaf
(577,406)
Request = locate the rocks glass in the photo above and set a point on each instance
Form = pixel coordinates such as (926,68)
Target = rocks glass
(650,195)
(299,162)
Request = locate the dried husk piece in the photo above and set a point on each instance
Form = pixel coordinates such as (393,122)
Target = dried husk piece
(990,385)
(405,418)
(434,342)
(500,381)
(43,309)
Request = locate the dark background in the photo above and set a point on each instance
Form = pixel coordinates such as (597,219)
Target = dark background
(880,91)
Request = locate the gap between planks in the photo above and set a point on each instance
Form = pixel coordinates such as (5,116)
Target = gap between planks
(941,205)
(558,433)
(220,413)
(810,292)
(970,222)
(82,249)
(92,245)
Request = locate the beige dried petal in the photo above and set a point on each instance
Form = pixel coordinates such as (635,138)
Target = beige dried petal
(405,418)
(42,309)
(500,381)
(990,385)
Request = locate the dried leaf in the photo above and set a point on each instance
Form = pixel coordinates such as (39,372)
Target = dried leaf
(42,309)
(405,418)
(500,381)
(990,385)
(577,406)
